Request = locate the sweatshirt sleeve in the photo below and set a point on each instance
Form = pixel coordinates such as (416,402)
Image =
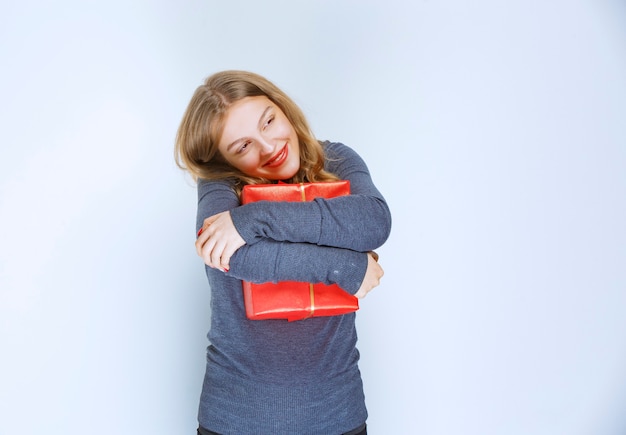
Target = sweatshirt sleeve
(272,261)
(214,197)
(360,221)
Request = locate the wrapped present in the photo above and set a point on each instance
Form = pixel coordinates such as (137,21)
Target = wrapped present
(294,300)
(294,192)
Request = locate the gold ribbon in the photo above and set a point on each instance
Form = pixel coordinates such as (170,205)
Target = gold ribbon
(311,291)
(302,192)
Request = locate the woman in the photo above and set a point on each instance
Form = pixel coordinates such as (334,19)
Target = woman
(274,376)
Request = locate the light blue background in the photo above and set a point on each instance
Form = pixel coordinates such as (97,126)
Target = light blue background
(496,130)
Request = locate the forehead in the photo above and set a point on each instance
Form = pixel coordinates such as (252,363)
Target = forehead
(246,111)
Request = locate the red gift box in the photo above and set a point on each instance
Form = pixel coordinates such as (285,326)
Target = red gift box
(294,300)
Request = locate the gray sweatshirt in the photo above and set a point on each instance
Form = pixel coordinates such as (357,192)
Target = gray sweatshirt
(278,377)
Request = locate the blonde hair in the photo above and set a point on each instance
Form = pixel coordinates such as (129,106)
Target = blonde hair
(196,148)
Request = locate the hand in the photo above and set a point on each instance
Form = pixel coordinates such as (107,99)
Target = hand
(373,274)
(218,239)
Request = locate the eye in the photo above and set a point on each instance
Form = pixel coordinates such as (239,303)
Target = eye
(244,146)
(269,121)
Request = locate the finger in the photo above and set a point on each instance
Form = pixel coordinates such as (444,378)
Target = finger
(206,251)
(362,293)
(205,224)
(202,237)
(201,242)
(225,262)
(210,220)
(226,255)
(216,255)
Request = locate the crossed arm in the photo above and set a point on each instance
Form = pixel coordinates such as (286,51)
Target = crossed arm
(326,240)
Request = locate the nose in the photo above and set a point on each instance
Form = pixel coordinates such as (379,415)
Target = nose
(266,146)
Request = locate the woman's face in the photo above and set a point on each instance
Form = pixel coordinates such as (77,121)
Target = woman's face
(259,140)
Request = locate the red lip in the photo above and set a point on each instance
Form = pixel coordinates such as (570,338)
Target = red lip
(278,158)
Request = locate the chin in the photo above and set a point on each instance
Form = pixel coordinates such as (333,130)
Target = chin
(292,173)
(287,171)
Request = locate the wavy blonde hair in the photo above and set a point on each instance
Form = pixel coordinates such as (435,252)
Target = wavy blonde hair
(196,148)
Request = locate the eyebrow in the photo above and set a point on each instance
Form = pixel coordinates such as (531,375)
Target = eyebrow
(259,125)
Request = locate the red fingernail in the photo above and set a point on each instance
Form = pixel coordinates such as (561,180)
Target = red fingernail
(226,270)
(200,231)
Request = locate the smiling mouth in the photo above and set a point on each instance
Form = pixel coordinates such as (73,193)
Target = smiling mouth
(277,159)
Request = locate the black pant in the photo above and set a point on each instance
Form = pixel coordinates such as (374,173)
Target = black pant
(203,431)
